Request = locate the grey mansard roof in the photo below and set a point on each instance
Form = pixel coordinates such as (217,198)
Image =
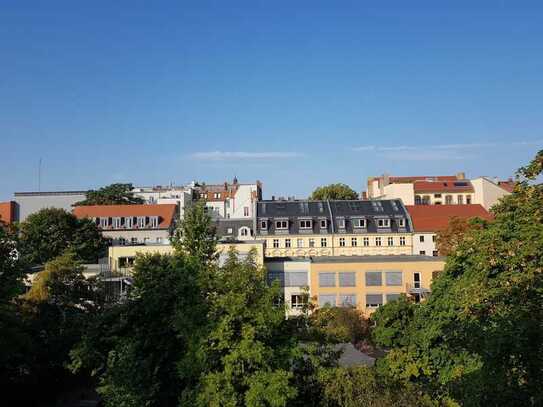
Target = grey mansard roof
(336,213)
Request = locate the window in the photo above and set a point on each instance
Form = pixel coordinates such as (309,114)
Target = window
(402,241)
(437,195)
(448,199)
(366,241)
(295,278)
(383,223)
(401,223)
(433,238)
(374,300)
(468,199)
(416,279)
(281,224)
(154,221)
(159,240)
(393,278)
(435,253)
(117,223)
(392,297)
(421,238)
(216,195)
(300,243)
(264,225)
(134,240)
(141,221)
(287,242)
(128,222)
(306,224)
(323,223)
(422,252)
(323,242)
(390,241)
(327,279)
(377,241)
(341,242)
(297,301)
(347,300)
(104,222)
(245,211)
(359,223)
(354,241)
(347,279)
(229,231)
(327,300)
(418,200)
(460,199)
(275,243)
(311,242)
(373,278)
(341,223)
(122,241)
(244,231)
(426,200)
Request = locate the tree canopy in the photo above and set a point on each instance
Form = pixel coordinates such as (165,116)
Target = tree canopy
(46,234)
(479,338)
(114,194)
(334,191)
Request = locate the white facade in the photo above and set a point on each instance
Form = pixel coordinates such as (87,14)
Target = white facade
(424,243)
(486,192)
(180,196)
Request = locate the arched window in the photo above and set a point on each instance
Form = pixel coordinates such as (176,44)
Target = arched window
(417,200)
(244,231)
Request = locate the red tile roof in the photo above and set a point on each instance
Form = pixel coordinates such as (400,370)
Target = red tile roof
(432,218)
(443,186)
(7,212)
(165,212)
(508,185)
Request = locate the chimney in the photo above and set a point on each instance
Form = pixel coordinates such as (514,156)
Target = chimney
(460,175)
(273,197)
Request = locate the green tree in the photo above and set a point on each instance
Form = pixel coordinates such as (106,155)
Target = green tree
(339,324)
(248,351)
(114,194)
(334,191)
(479,336)
(457,230)
(144,352)
(195,236)
(46,234)
(392,322)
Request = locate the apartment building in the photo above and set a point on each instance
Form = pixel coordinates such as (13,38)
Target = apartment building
(429,219)
(438,190)
(8,212)
(367,282)
(182,196)
(132,224)
(293,276)
(333,228)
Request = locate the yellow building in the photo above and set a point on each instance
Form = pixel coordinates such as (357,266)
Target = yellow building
(370,281)
(122,257)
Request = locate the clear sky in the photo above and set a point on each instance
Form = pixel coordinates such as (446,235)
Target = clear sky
(293,93)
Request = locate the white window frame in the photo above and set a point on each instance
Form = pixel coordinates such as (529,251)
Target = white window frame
(401,222)
(341,223)
(402,240)
(153,222)
(383,223)
(300,243)
(359,223)
(306,224)
(366,242)
(141,221)
(323,223)
(378,241)
(311,242)
(117,222)
(341,242)
(281,224)
(354,242)
(275,243)
(390,241)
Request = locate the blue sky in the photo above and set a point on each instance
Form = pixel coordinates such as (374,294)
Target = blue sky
(295,94)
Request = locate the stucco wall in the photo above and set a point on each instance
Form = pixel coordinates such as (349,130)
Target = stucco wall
(29,204)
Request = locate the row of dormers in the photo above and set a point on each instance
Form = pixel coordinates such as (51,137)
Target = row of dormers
(323,223)
(127,222)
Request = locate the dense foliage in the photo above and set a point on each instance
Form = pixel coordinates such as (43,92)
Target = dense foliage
(46,234)
(334,191)
(479,337)
(448,239)
(114,194)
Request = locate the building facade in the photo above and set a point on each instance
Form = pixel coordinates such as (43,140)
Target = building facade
(428,220)
(8,212)
(32,202)
(293,276)
(131,224)
(438,190)
(333,228)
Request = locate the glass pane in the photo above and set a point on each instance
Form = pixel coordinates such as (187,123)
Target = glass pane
(347,279)
(347,300)
(374,300)
(393,278)
(373,278)
(295,278)
(327,279)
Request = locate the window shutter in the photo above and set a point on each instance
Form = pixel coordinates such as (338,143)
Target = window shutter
(374,299)
(327,279)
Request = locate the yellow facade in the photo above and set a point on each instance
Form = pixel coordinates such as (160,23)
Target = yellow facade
(122,256)
(339,245)
(323,272)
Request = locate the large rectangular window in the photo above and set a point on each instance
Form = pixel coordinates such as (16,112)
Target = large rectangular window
(394,278)
(327,279)
(327,300)
(383,223)
(298,301)
(359,223)
(347,300)
(374,300)
(347,279)
(377,241)
(392,297)
(374,278)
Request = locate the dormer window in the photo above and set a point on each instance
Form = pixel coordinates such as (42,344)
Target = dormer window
(341,223)
(281,224)
(401,222)
(244,231)
(104,222)
(383,223)
(323,223)
(359,223)
(141,221)
(306,224)
(264,225)
(116,223)
(128,222)
(154,222)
